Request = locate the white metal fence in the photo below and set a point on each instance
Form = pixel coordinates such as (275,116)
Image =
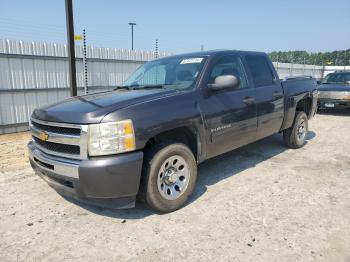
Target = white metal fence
(316,71)
(33,74)
(286,69)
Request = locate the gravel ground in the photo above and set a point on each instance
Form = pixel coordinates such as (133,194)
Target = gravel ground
(259,203)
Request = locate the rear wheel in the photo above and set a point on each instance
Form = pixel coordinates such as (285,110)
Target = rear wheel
(169,176)
(295,136)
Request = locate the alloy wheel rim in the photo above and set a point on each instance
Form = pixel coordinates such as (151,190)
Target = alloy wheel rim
(301,130)
(173,177)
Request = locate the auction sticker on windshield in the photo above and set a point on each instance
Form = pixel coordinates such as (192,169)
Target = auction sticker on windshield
(195,60)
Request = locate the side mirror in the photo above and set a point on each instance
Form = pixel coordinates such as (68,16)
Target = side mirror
(225,81)
(319,82)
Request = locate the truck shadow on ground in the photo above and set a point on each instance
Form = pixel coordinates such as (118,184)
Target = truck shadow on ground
(211,172)
(334,112)
(234,162)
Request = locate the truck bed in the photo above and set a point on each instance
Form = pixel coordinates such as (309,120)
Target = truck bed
(296,89)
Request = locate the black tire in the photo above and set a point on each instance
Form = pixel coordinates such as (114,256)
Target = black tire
(291,136)
(155,160)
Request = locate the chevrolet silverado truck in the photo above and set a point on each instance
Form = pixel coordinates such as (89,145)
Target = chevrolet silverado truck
(334,91)
(146,138)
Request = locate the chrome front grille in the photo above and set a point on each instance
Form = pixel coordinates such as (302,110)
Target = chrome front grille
(57,129)
(60,139)
(56,147)
(333,95)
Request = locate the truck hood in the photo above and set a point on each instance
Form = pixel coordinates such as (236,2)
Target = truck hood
(91,109)
(334,87)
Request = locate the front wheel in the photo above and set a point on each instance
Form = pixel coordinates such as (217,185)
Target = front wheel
(295,136)
(169,176)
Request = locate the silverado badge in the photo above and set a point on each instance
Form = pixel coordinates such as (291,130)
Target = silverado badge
(43,136)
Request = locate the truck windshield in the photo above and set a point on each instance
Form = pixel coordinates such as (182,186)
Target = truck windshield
(172,73)
(339,78)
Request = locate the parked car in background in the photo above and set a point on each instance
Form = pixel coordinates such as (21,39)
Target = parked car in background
(334,90)
(147,137)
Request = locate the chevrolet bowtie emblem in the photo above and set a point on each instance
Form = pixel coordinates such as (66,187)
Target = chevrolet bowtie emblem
(43,136)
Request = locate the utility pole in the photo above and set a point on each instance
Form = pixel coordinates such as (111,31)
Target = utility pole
(314,62)
(71,50)
(202,48)
(323,68)
(156,52)
(85,64)
(345,59)
(132,35)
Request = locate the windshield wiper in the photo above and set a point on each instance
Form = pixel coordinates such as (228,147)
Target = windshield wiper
(123,87)
(150,86)
(334,83)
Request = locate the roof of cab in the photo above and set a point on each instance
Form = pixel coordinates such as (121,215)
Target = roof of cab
(217,52)
(341,72)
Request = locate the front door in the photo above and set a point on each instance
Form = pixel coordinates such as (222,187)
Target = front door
(230,115)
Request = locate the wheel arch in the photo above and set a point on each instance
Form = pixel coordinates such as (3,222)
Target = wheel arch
(294,104)
(183,134)
(305,105)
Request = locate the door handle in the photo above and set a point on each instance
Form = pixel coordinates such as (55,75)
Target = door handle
(277,94)
(248,100)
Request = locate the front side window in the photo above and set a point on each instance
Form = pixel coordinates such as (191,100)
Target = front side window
(172,73)
(229,65)
(260,69)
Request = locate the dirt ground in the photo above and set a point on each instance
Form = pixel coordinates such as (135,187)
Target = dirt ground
(262,202)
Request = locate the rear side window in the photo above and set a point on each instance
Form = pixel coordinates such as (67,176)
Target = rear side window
(260,69)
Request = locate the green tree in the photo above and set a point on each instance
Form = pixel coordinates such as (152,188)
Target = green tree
(340,58)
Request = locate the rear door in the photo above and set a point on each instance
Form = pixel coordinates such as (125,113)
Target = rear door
(269,95)
(229,114)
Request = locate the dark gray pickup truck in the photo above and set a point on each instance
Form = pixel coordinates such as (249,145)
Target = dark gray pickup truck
(334,91)
(146,138)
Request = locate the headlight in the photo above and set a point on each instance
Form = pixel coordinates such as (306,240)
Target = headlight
(347,96)
(111,138)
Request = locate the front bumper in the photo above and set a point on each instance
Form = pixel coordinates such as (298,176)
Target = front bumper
(336,103)
(111,181)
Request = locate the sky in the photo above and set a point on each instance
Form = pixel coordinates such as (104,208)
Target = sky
(185,25)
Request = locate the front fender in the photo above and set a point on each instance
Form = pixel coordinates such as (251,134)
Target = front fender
(155,117)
